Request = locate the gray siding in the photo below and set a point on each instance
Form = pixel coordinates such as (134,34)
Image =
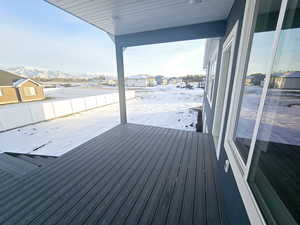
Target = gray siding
(234,206)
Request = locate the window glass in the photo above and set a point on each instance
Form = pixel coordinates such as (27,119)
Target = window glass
(211,79)
(275,171)
(259,58)
(29,91)
(208,81)
(212,75)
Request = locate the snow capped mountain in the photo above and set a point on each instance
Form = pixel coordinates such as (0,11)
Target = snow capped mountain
(32,72)
(141,76)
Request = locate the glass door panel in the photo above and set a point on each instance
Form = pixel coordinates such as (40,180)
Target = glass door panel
(259,58)
(275,171)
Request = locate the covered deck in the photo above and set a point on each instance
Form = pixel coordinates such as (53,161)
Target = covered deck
(132,174)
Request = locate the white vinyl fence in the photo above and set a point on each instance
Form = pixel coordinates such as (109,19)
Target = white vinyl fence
(18,115)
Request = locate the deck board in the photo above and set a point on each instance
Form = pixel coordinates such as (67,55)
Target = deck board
(132,174)
(96,195)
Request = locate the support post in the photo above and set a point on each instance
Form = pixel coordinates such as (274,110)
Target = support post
(121,83)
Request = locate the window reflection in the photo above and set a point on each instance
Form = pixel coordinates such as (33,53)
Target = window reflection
(276,169)
(258,60)
(211,79)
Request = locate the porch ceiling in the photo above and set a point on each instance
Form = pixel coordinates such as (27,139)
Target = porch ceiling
(132,16)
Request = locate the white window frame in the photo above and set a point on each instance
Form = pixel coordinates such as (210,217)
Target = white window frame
(207,83)
(229,42)
(240,169)
(210,88)
(1,92)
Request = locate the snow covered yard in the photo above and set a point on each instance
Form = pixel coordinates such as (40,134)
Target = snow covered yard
(280,120)
(158,106)
(76,92)
(165,106)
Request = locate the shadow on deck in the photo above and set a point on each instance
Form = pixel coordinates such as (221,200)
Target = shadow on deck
(132,174)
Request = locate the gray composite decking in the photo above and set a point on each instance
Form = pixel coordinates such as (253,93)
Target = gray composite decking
(16,165)
(132,174)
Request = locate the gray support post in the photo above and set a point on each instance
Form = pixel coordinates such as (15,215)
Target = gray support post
(121,83)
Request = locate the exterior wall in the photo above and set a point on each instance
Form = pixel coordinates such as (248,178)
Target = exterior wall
(209,50)
(38,89)
(175,81)
(151,82)
(9,95)
(137,83)
(287,83)
(164,82)
(140,82)
(234,207)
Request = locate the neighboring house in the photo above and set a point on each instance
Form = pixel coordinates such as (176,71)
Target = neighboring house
(255,79)
(14,88)
(161,80)
(111,82)
(175,81)
(288,80)
(8,93)
(164,81)
(140,81)
(202,83)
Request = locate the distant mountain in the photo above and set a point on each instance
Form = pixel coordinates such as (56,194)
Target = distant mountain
(140,76)
(32,72)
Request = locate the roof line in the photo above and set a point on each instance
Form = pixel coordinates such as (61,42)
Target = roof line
(25,80)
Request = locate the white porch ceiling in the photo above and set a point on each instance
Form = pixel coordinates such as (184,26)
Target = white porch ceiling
(119,17)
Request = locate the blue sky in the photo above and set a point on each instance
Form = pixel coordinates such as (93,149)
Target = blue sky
(37,34)
(287,54)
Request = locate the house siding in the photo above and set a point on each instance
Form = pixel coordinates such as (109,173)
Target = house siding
(287,83)
(137,83)
(38,89)
(9,95)
(234,206)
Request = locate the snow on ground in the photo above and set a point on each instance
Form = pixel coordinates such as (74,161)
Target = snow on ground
(157,106)
(281,117)
(165,106)
(76,92)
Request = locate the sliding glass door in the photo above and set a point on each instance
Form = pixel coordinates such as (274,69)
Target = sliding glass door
(275,172)
(263,133)
(254,76)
